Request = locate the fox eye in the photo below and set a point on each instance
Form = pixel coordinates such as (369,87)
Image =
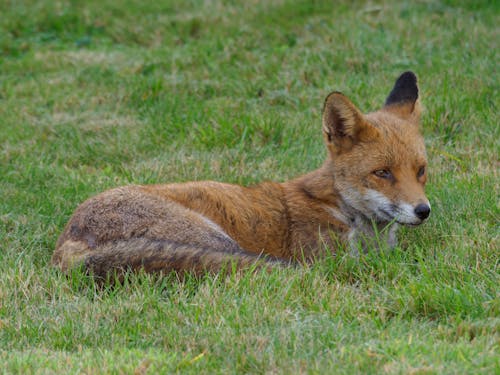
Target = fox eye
(383,173)
(421,172)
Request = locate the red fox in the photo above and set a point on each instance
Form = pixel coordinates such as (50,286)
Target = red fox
(371,182)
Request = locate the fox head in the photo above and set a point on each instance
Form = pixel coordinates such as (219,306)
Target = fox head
(378,159)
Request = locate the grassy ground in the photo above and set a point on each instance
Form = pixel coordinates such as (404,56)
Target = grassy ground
(98,94)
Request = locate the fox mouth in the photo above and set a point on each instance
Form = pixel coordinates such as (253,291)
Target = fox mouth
(375,206)
(394,215)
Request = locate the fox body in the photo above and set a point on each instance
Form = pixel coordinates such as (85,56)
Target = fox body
(371,182)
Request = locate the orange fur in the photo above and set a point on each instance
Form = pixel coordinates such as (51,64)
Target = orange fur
(372,179)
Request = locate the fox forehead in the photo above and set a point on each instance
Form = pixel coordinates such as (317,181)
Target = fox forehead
(398,146)
(400,141)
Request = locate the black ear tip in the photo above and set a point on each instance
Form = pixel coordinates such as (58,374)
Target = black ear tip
(405,89)
(407,79)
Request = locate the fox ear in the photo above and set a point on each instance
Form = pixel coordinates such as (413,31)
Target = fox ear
(343,124)
(403,99)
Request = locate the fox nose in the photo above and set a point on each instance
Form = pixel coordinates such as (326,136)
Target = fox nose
(422,211)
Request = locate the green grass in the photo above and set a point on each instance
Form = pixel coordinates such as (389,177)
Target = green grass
(98,94)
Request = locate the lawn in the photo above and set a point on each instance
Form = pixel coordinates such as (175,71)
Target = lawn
(98,94)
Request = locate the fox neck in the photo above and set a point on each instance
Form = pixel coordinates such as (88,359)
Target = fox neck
(318,185)
(331,212)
